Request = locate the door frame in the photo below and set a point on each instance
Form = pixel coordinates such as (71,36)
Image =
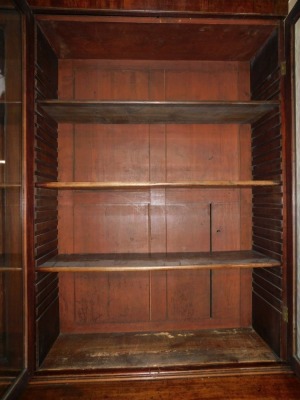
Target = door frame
(290,159)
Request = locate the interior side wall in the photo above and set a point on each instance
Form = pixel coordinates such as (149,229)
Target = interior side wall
(267,203)
(156,220)
(47,309)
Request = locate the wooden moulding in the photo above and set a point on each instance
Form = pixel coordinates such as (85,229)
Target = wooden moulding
(275,7)
(145,185)
(157,262)
(154,112)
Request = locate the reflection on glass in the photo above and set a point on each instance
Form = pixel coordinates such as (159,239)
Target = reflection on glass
(11,274)
(297,88)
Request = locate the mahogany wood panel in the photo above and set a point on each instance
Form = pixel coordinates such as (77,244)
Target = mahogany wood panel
(2,319)
(114,153)
(11,321)
(119,228)
(11,264)
(113,299)
(47,327)
(225,235)
(277,7)
(154,38)
(250,387)
(264,66)
(81,311)
(289,110)
(267,204)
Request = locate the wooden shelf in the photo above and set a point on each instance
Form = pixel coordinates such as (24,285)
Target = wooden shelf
(145,185)
(157,262)
(141,112)
(9,185)
(9,269)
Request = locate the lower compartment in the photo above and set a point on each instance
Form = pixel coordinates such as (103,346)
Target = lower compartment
(163,349)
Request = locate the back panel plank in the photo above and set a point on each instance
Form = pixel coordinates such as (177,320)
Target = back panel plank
(155,220)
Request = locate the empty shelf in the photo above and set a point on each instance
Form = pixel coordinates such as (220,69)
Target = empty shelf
(157,262)
(144,112)
(9,185)
(141,185)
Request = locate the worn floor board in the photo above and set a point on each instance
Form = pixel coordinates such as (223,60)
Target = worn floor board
(164,349)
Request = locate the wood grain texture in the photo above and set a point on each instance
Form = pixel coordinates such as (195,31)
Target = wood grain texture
(146,185)
(160,262)
(265,386)
(98,38)
(11,177)
(156,112)
(158,219)
(277,7)
(289,248)
(166,349)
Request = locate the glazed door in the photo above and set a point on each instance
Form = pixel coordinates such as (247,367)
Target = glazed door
(293,178)
(12,362)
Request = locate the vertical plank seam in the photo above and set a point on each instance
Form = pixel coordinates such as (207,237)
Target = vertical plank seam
(165,202)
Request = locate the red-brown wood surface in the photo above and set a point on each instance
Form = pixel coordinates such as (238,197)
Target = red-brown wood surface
(251,387)
(276,7)
(111,354)
(155,39)
(155,220)
(11,248)
(289,104)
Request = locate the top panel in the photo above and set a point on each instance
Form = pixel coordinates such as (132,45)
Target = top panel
(148,38)
(261,7)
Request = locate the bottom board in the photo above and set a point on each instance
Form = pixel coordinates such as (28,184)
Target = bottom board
(163,349)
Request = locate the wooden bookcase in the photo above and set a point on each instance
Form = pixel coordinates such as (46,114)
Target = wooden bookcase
(159,192)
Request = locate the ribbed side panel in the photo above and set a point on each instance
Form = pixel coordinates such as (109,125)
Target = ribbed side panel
(46,217)
(267,202)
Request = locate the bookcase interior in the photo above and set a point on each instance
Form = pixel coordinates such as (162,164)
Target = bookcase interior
(158,191)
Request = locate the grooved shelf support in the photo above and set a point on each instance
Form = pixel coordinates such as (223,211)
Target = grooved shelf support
(157,262)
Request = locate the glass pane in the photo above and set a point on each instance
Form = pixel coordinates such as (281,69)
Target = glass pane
(11,271)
